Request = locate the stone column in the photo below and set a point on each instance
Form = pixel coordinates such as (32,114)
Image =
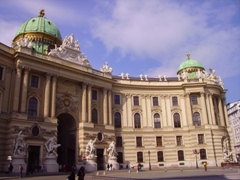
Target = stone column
(163,105)
(184,117)
(47,95)
(220,110)
(105,107)
(110,107)
(24,90)
(168,110)
(148,111)
(225,112)
(203,105)
(124,115)
(89,103)
(189,110)
(17,88)
(54,87)
(129,110)
(84,101)
(212,109)
(208,110)
(144,111)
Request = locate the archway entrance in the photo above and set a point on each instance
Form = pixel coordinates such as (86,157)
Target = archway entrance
(67,139)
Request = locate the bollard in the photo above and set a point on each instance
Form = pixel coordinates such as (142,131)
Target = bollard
(104,173)
(137,171)
(97,174)
(181,169)
(165,169)
(129,171)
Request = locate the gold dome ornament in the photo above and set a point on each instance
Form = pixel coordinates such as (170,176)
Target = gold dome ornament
(66,102)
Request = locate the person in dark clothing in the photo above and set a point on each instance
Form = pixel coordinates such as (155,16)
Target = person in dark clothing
(71,176)
(81,173)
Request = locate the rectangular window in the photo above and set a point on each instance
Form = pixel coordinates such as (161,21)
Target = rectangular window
(1,73)
(139,141)
(200,138)
(94,95)
(194,99)
(135,100)
(159,140)
(179,140)
(34,81)
(155,101)
(116,99)
(118,141)
(174,101)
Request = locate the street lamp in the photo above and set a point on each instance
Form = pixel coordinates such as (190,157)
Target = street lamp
(195,151)
(149,160)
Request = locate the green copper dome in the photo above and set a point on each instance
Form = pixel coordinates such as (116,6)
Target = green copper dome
(41,31)
(190,64)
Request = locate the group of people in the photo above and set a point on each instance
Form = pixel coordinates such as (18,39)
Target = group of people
(80,174)
(10,169)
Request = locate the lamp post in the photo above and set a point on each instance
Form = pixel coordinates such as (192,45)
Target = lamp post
(149,160)
(195,151)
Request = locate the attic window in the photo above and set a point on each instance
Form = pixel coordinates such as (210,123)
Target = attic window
(49,22)
(33,20)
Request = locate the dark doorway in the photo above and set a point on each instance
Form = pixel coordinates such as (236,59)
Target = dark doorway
(33,158)
(100,159)
(67,139)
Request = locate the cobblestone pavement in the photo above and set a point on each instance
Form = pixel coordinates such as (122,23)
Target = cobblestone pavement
(170,174)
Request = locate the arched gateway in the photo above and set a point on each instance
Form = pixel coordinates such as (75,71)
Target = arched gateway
(67,139)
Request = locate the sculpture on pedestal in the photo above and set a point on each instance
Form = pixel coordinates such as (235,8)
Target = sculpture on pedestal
(51,146)
(90,149)
(19,145)
(112,150)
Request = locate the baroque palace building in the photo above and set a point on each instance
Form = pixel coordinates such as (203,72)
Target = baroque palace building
(48,88)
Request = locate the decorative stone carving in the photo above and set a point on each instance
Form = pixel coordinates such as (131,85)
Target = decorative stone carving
(106,69)
(51,146)
(141,77)
(127,76)
(184,74)
(122,75)
(146,77)
(112,152)
(19,145)
(24,42)
(70,51)
(90,149)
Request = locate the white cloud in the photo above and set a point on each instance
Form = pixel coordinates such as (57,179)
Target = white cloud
(164,29)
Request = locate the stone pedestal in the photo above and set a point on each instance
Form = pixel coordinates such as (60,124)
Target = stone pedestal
(113,161)
(51,164)
(16,161)
(90,164)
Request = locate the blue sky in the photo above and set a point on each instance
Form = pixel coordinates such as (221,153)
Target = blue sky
(143,36)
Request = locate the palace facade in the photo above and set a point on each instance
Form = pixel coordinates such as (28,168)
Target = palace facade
(49,88)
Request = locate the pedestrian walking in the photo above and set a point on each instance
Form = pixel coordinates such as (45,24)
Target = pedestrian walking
(10,168)
(205,166)
(71,176)
(20,171)
(81,173)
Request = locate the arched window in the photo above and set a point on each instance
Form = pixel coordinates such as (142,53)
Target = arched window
(196,119)
(139,157)
(180,155)
(120,157)
(157,123)
(94,116)
(160,156)
(32,106)
(177,122)
(137,120)
(117,120)
(203,154)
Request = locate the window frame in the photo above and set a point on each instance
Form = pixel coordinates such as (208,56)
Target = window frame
(159,141)
(140,157)
(117,120)
(94,116)
(32,107)
(119,142)
(160,156)
(94,95)
(117,99)
(180,155)
(139,141)
(157,121)
(203,154)
(137,121)
(194,99)
(179,141)
(196,119)
(176,120)
(200,138)
(155,101)
(175,101)
(136,100)
(34,81)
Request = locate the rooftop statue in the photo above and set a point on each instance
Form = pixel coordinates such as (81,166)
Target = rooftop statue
(106,69)
(24,42)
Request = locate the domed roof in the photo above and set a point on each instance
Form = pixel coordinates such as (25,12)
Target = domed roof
(190,63)
(39,24)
